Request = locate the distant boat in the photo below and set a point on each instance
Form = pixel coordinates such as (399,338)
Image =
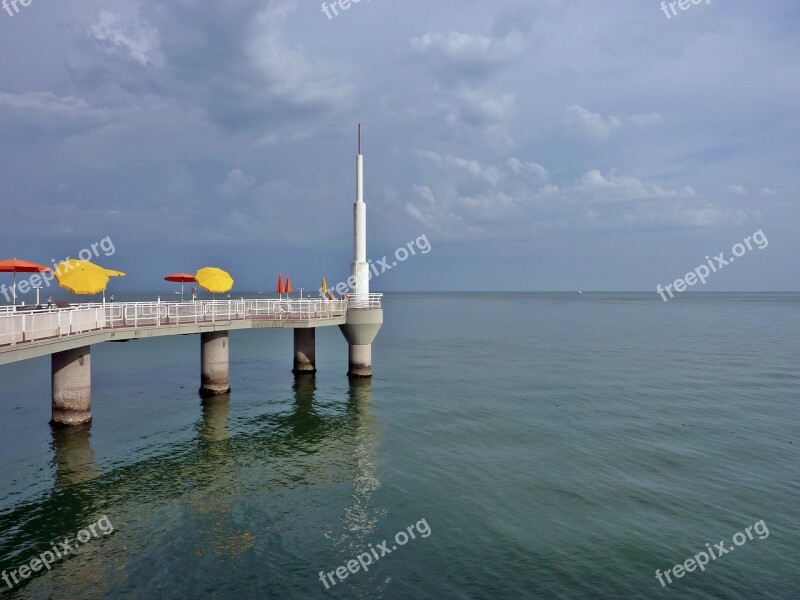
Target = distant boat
(580,292)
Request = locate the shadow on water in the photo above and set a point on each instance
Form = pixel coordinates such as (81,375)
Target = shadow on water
(205,472)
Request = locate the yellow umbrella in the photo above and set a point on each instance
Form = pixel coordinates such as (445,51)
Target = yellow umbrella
(214,280)
(114,273)
(324,286)
(81,277)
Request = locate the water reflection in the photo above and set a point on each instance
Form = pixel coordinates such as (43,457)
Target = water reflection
(73,457)
(242,487)
(214,425)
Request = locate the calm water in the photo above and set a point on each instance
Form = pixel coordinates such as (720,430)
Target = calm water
(556,445)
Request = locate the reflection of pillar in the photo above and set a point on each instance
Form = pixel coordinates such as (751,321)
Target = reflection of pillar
(304,389)
(215,419)
(359,394)
(305,356)
(214,374)
(73,457)
(71,377)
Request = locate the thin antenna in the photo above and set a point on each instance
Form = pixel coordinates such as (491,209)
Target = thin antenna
(359,138)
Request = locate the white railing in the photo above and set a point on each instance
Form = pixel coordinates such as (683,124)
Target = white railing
(21,326)
(368,301)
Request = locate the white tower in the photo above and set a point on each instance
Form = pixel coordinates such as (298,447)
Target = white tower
(359,270)
(364,319)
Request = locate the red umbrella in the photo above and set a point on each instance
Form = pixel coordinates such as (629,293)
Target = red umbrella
(288,289)
(281,288)
(15,265)
(180,278)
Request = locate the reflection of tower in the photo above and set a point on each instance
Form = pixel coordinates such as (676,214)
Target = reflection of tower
(361,516)
(363,322)
(73,456)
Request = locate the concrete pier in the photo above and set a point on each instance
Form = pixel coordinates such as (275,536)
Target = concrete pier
(360,330)
(214,371)
(305,353)
(359,360)
(71,386)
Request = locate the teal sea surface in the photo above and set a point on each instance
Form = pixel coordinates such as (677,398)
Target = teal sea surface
(550,445)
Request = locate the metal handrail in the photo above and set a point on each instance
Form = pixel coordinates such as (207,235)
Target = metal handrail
(38,324)
(365,301)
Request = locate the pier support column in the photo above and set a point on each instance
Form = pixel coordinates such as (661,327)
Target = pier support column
(360,330)
(214,373)
(305,353)
(360,360)
(71,386)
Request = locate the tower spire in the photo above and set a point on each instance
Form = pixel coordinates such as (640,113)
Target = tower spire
(360,269)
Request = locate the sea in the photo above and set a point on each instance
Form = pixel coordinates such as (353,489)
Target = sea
(508,445)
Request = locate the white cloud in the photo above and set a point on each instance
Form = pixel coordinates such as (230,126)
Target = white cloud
(457,56)
(599,127)
(737,189)
(511,206)
(594,124)
(237,184)
(131,39)
(520,167)
(490,174)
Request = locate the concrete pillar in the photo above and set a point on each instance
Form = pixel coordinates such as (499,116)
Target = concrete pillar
(305,353)
(360,360)
(71,386)
(360,330)
(214,373)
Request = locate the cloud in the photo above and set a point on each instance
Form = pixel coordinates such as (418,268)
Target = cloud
(737,189)
(461,57)
(520,167)
(127,38)
(490,174)
(512,205)
(594,124)
(237,184)
(29,115)
(599,127)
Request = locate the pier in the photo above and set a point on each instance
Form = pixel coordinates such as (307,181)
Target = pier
(67,335)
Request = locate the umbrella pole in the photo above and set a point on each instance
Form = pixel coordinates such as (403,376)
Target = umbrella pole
(14,288)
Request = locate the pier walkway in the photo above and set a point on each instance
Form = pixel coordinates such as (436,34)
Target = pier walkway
(67,335)
(27,334)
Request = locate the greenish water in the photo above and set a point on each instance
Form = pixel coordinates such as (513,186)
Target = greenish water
(557,446)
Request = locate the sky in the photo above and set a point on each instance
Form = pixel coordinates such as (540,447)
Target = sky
(536,145)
